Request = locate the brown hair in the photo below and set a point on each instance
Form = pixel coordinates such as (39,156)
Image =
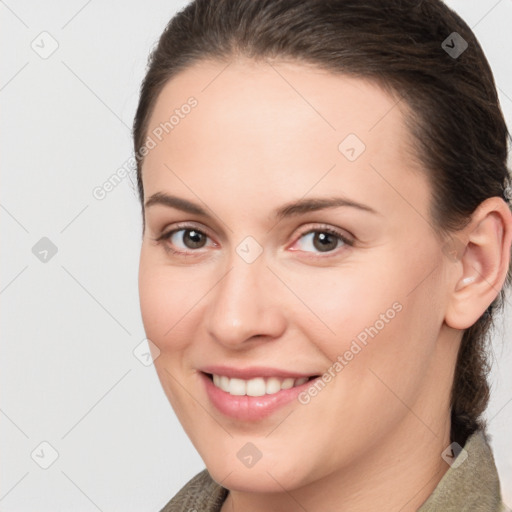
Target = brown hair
(454,115)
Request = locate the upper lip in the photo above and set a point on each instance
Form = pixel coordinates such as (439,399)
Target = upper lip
(252,372)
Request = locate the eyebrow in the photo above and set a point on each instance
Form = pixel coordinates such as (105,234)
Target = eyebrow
(290,209)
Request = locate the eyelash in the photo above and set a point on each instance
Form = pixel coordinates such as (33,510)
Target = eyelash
(189,227)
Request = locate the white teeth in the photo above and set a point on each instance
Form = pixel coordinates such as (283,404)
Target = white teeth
(224,383)
(237,387)
(273,386)
(258,386)
(287,383)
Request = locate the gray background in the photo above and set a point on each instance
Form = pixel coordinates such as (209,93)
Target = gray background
(71,323)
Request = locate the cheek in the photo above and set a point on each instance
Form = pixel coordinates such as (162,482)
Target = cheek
(167,301)
(341,304)
(166,305)
(392,307)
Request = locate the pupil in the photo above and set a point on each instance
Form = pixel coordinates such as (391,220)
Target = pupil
(194,239)
(326,241)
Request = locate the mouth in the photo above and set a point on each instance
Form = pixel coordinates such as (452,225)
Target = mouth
(255,397)
(257,386)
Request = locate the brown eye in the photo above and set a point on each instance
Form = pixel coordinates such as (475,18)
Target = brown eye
(325,241)
(193,239)
(321,241)
(184,239)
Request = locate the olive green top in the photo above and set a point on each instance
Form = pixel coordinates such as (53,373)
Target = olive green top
(472,486)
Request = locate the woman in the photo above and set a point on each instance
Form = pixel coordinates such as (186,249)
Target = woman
(326,240)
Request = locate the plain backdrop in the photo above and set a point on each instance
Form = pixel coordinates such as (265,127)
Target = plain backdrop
(77,395)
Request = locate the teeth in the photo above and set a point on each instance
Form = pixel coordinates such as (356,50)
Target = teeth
(224,383)
(237,387)
(287,383)
(273,386)
(258,386)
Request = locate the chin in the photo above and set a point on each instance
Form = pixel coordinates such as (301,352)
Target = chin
(263,477)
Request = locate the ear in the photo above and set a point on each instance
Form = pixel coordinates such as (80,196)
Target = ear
(480,254)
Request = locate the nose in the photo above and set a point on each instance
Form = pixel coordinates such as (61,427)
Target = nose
(244,306)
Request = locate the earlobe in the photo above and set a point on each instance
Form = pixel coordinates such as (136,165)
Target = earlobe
(484,260)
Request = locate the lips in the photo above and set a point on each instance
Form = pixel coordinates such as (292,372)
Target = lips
(253,393)
(254,371)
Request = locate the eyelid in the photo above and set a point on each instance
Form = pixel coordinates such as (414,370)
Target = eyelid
(318,226)
(166,234)
(347,238)
(182,226)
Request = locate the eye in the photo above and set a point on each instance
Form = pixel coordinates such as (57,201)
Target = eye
(191,238)
(183,240)
(322,240)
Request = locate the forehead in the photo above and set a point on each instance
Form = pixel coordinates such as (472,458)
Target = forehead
(279,125)
(279,97)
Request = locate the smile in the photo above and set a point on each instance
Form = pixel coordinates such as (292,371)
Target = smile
(258,386)
(250,395)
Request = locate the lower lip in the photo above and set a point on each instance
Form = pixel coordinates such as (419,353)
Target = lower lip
(250,408)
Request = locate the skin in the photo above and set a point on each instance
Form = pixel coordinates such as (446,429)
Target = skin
(264,134)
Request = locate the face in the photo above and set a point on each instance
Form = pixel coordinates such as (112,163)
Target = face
(296,245)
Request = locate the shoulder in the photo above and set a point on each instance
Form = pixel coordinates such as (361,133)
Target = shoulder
(201,494)
(471,483)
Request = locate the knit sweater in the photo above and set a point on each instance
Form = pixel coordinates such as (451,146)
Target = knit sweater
(471,486)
